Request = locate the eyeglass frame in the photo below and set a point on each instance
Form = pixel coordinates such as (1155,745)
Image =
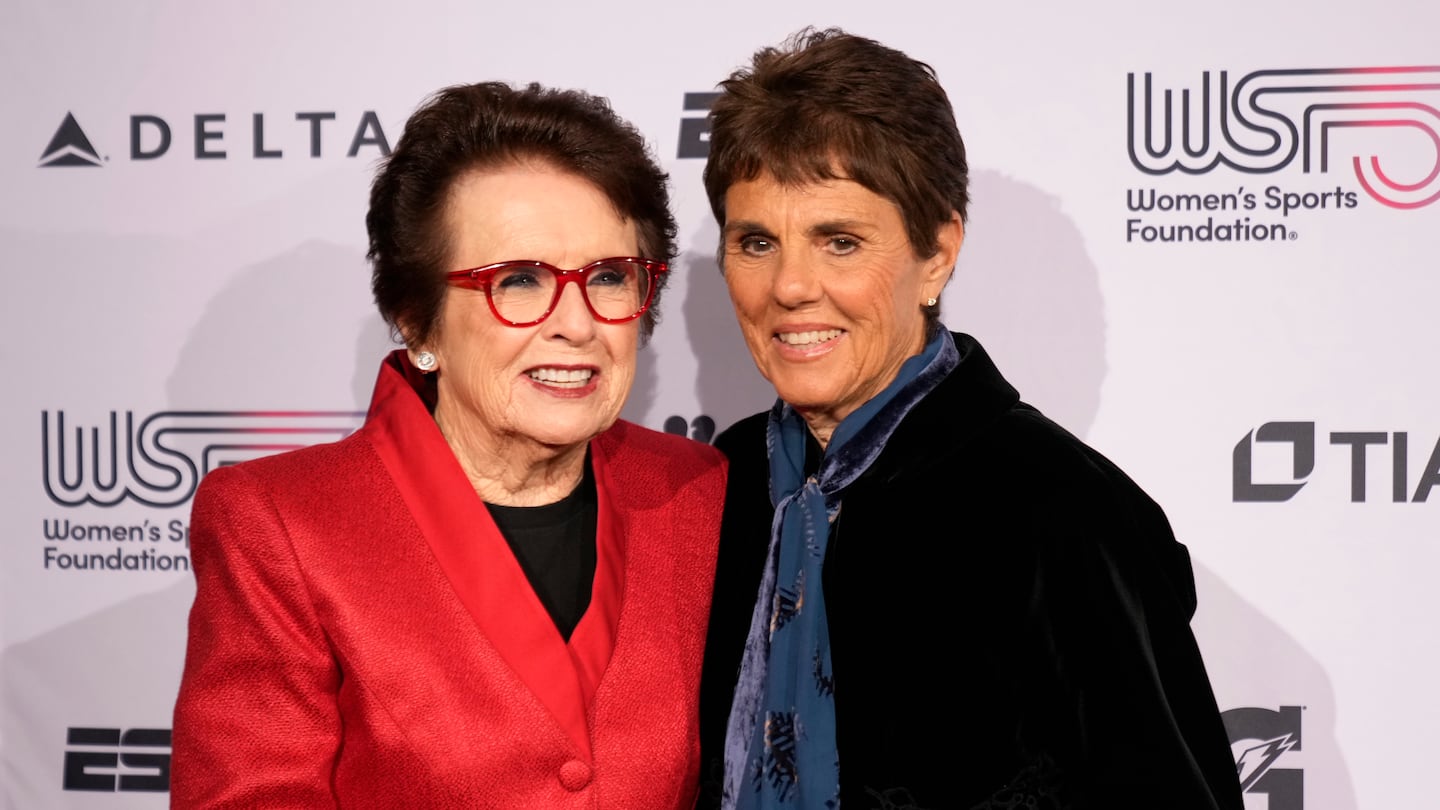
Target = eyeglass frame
(484,274)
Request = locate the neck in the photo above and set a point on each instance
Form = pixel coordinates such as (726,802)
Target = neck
(821,424)
(512,471)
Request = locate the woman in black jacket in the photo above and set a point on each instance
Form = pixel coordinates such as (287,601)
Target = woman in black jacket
(929,595)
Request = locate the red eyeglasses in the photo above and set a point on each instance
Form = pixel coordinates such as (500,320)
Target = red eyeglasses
(524,293)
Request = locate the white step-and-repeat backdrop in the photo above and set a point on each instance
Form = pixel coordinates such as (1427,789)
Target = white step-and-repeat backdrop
(1203,237)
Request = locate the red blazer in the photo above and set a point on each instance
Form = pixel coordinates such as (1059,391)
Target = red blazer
(363,637)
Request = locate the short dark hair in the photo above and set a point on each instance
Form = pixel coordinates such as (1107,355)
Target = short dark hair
(828,105)
(477,126)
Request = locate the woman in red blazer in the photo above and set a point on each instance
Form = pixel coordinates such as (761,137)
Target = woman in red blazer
(494,594)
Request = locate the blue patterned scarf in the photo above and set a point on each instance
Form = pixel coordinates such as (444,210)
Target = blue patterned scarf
(780,748)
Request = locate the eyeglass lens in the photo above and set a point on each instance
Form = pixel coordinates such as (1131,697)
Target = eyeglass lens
(615,290)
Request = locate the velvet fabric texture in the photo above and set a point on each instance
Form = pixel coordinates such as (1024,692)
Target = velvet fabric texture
(780,747)
(1008,618)
(362,637)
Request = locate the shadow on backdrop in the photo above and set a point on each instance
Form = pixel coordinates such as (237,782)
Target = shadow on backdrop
(268,339)
(1027,289)
(727,384)
(1250,654)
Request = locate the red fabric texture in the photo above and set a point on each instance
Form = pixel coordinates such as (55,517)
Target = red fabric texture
(363,637)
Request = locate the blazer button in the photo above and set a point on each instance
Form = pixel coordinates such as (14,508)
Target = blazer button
(575,775)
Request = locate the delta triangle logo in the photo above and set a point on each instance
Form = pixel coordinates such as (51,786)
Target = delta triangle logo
(69,146)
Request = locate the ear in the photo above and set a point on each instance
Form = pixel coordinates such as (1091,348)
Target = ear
(938,268)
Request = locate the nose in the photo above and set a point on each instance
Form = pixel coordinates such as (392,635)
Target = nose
(796,280)
(571,319)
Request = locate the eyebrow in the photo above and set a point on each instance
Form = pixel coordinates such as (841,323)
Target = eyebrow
(747,226)
(826,228)
(834,226)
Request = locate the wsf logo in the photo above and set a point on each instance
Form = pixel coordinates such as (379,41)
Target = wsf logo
(1269,119)
(158,460)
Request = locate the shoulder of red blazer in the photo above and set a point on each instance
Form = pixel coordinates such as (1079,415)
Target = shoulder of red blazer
(652,465)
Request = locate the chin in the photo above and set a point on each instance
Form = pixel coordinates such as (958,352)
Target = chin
(806,397)
(561,434)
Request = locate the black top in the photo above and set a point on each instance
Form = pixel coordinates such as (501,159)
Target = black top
(555,545)
(1008,617)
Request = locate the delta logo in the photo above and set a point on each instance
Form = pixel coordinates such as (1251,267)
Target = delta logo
(214,136)
(70,147)
(1325,140)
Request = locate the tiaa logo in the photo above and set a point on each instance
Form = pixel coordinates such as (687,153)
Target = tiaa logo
(1385,120)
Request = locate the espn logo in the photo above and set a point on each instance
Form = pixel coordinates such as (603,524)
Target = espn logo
(109,760)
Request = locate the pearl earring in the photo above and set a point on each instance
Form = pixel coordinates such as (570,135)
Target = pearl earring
(425,361)
(930,302)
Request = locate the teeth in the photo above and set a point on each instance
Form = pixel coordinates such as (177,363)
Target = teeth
(562,376)
(807,338)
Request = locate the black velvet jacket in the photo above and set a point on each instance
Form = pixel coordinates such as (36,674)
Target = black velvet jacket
(1009,619)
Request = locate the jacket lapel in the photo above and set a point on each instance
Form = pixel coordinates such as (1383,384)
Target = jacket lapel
(478,563)
(593,640)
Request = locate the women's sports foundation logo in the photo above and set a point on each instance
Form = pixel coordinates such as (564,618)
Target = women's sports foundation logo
(158,460)
(1384,119)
